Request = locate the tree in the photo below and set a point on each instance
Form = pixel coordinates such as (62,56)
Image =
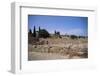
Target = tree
(73,37)
(30,31)
(34,32)
(39,28)
(44,33)
(58,33)
(39,31)
(55,32)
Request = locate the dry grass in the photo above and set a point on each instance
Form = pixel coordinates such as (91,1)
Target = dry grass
(59,48)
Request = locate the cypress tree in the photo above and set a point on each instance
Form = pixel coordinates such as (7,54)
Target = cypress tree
(39,31)
(34,32)
(30,31)
(39,28)
(55,32)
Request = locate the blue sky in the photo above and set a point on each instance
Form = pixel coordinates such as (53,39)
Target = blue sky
(63,24)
